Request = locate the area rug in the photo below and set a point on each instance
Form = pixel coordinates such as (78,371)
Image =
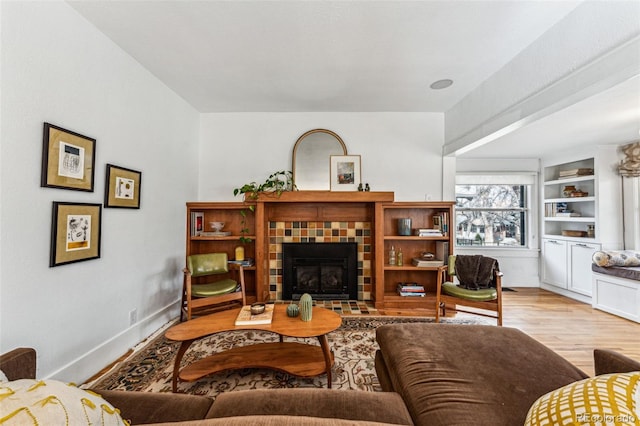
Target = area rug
(150,368)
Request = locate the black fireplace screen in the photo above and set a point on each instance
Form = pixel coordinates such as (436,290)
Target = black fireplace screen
(324,270)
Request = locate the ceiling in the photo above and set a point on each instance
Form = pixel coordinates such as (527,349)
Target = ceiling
(337,56)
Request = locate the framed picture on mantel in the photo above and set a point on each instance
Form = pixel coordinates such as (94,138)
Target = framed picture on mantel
(345,172)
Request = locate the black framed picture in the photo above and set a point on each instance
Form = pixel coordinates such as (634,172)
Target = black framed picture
(122,187)
(75,232)
(68,159)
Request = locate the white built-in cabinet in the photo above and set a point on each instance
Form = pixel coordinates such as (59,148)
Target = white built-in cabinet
(591,221)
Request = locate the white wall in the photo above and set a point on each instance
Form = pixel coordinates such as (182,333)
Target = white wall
(401,152)
(58,68)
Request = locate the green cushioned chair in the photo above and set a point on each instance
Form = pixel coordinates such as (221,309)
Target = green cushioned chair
(451,296)
(210,284)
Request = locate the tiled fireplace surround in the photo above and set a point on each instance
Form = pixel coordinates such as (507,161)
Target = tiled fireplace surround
(320,232)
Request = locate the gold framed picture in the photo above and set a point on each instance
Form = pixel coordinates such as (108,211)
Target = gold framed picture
(122,188)
(75,232)
(68,159)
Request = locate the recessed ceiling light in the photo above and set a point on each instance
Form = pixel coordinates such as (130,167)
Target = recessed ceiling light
(441,84)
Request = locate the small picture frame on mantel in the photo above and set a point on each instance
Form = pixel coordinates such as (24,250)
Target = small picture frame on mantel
(345,172)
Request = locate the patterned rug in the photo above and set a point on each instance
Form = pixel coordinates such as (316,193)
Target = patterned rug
(149,368)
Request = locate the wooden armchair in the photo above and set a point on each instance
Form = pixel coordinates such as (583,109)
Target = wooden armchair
(452,296)
(211,284)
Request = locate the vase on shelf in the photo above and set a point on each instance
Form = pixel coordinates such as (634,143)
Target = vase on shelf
(567,190)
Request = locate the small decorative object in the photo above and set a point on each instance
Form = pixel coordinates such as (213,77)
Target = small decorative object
(216,226)
(122,187)
(567,190)
(400,261)
(76,232)
(345,172)
(239,253)
(68,159)
(293,310)
(392,256)
(257,308)
(591,231)
(404,226)
(367,188)
(306,307)
(425,255)
(360,188)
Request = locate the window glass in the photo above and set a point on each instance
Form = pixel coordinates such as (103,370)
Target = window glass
(491,215)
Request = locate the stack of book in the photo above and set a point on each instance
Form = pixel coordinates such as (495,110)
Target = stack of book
(410,289)
(245,317)
(423,263)
(564,174)
(429,232)
(246,262)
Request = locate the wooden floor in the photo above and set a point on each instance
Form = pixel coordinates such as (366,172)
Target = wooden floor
(572,329)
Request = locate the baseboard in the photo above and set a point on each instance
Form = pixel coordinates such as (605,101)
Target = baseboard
(87,365)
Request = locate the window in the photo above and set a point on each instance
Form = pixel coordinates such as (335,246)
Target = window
(492,214)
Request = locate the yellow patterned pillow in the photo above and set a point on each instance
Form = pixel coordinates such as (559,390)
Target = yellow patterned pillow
(609,399)
(50,402)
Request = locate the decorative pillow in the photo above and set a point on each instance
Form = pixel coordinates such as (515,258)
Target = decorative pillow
(609,258)
(609,399)
(50,402)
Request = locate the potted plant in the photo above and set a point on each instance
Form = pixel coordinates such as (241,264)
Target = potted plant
(276,183)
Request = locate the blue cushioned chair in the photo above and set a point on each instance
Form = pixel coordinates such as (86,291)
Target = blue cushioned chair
(451,296)
(211,284)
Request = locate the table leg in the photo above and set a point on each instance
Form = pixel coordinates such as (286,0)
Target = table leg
(176,365)
(324,344)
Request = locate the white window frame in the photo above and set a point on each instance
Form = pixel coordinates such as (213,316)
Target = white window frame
(529,179)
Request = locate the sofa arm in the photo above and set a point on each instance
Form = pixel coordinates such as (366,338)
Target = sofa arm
(19,363)
(607,361)
(383,407)
(155,407)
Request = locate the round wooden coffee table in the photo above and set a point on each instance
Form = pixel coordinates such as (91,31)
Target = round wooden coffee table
(295,358)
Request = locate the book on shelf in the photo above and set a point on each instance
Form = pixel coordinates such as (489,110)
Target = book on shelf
(246,262)
(215,234)
(442,251)
(567,214)
(410,290)
(246,318)
(421,263)
(575,173)
(428,232)
(197,223)
(410,287)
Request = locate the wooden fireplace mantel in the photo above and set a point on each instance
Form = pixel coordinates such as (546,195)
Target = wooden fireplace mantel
(325,197)
(377,208)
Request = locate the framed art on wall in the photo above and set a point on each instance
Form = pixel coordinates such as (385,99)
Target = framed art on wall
(75,232)
(122,188)
(345,172)
(68,159)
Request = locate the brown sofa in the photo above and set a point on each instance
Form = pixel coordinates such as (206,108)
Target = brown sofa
(475,375)
(435,374)
(255,407)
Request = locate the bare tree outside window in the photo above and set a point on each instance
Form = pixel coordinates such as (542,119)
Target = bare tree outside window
(491,215)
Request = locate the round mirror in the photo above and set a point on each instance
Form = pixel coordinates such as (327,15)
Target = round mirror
(311,158)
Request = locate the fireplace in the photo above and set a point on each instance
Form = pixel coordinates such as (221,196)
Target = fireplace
(327,271)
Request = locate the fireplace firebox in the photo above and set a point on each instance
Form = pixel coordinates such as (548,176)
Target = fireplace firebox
(326,271)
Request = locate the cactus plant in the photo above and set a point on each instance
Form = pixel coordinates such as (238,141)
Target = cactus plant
(293,310)
(306,307)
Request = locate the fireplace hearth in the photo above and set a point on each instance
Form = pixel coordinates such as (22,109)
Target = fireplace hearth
(327,271)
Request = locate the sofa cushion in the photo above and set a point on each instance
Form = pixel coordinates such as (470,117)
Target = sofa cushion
(50,402)
(470,374)
(384,407)
(616,258)
(273,421)
(607,399)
